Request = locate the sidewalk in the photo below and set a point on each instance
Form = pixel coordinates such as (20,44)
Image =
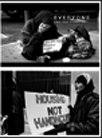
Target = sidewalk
(11,53)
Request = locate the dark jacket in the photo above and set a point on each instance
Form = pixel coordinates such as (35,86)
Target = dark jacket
(32,39)
(86,115)
(83,48)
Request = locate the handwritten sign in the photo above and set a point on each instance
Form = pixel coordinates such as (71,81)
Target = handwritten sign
(53,45)
(44,110)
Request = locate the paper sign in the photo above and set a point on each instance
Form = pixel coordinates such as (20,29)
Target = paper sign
(44,110)
(53,45)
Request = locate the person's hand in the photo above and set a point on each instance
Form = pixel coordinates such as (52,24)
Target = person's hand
(71,126)
(61,127)
(43,27)
(43,59)
(63,38)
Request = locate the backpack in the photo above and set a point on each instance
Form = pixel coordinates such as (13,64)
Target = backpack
(81,49)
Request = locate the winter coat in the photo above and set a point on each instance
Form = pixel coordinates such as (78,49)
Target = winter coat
(32,39)
(85,116)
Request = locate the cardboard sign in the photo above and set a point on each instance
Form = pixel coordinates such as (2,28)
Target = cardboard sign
(53,45)
(44,110)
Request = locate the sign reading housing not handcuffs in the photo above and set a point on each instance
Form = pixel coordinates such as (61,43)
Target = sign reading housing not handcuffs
(44,110)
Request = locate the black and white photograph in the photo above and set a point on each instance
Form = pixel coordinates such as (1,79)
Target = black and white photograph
(63,32)
(50,68)
(48,103)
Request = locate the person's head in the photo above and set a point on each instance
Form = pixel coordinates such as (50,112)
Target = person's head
(44,17)
(84,83)
(43,26)
(81,31)
(77,35)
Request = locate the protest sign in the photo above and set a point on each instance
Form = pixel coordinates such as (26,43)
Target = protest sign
(53,45)
(44,110)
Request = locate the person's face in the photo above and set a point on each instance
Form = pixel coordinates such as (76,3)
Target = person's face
(79,87)
(77,35)
(43,27)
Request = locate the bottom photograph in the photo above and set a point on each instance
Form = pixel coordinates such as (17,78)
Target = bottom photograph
(49,103)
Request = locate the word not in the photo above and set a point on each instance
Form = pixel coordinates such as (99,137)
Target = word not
(54,110)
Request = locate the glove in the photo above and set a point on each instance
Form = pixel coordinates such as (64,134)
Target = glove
(43,59)
(71,127)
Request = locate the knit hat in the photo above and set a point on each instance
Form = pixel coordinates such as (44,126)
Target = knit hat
(86,79)
(83,32)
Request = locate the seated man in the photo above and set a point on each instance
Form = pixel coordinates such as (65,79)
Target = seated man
(85,114)
(35,31)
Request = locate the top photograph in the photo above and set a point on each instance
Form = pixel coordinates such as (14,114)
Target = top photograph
(50,33)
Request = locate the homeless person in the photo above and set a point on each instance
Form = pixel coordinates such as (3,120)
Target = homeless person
(85,114)
(35,31)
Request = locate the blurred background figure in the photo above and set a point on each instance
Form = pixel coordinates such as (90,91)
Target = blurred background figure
(17,121)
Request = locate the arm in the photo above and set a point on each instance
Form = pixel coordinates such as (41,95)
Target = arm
(26,32)
(91,126)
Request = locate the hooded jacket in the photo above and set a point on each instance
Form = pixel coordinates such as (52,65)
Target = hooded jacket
(85,115)
(32,39)
(83,32)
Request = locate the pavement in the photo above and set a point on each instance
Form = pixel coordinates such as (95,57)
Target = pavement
(11,53)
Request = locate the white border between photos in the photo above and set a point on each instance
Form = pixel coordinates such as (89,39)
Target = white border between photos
(60,68)
(51,1)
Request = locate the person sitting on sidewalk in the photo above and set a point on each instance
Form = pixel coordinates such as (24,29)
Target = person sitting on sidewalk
(35,31)
(75,44)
